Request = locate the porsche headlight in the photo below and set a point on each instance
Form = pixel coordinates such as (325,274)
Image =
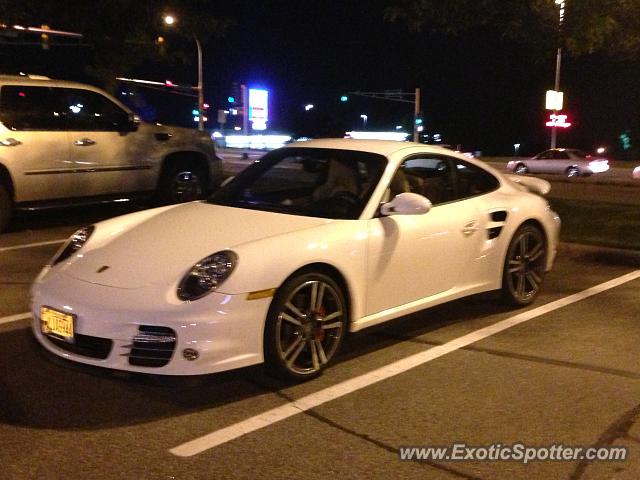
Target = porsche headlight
(206,275)
(75,243)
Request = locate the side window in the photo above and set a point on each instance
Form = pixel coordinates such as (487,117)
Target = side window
(90,111)
(560,155)
(30,108)
(472,180)
(425,175)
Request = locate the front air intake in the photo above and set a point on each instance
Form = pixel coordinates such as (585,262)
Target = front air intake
(152,346)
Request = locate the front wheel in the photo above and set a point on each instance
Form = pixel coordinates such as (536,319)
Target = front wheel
(305,326)
(524,266)
(182,183)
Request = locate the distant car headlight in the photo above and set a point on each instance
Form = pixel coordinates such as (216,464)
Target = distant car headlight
(206,275)
(71,246)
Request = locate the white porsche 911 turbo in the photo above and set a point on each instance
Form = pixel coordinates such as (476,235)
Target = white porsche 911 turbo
(310,242)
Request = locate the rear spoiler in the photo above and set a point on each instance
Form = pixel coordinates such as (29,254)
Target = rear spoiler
(534,185)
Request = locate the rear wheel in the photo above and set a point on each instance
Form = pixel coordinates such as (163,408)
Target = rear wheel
(573,172)
(305,327)
(6,207)
(524,266)
(520,169)
(182,182)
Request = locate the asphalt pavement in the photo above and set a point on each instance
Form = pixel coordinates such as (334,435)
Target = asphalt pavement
(473,371)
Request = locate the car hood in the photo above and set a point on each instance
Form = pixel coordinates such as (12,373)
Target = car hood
(163,247)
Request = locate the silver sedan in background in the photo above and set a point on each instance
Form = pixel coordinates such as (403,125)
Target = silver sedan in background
(566,161)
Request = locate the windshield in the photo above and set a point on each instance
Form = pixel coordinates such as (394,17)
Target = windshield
(313,182)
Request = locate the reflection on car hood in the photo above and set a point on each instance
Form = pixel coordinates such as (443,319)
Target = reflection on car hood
(163,247)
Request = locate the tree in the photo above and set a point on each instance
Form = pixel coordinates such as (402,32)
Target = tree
(590,26)
(121,34)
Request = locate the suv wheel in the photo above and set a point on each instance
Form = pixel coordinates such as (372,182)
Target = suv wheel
(6,207)
(183,182)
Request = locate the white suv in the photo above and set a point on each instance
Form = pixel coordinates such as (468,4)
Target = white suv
(64,143)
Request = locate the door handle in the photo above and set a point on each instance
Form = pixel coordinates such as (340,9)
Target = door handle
(470,227)
(84,142)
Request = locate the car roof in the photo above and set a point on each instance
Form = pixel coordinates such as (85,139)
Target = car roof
(41,81)
(382,147)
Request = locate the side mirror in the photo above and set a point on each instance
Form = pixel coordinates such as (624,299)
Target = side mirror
(406,204)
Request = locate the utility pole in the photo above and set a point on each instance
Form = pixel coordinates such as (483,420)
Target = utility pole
(561,7)
(416,113)
(245,110)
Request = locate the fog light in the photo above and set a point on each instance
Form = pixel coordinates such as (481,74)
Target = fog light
(190,354)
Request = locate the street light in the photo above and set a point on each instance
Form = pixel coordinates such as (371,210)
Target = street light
(364,120)
(561,7)
(171,20)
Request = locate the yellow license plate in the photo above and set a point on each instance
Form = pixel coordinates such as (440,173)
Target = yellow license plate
(57,323)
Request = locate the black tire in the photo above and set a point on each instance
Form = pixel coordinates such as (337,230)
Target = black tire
(573,172)
(305,327)
(6,207)
(182,182)
(524,266)
(520,169)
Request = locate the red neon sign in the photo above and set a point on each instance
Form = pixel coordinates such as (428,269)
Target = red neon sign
(558,121)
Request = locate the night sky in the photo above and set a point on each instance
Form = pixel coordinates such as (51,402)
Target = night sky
(478,90)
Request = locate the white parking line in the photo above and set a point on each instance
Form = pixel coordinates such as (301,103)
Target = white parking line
(15,318)
(313,400)
(31,245)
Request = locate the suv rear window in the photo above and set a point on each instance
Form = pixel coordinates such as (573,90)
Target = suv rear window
(30,108)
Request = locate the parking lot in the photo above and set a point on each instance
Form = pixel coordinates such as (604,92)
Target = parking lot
(563,371)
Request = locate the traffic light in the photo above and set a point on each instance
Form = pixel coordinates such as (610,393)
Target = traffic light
(625,140)
(344,98)
(44,38)
(236,95)
(160,42)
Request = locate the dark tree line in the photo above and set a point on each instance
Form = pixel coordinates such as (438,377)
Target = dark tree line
(590,26)
(119,35)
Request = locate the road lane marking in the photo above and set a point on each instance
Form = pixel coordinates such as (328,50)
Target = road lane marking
(15,318)
(31,245)
(328,394)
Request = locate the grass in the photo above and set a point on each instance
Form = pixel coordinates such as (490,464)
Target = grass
(599,223)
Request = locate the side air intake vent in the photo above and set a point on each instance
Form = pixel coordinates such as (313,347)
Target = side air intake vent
(499,216)
(494,228)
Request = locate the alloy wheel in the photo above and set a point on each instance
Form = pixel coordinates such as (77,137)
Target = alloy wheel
(186,186)
(525,265)
(521,169)
(573,172)
(309,327)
